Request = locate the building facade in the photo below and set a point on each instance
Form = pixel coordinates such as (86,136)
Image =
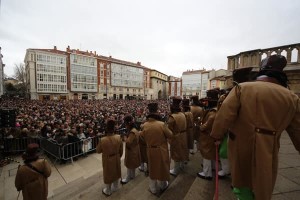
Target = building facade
(191,83)
(174,86)
(75,74)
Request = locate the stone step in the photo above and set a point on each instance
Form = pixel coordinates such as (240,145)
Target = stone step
(201,189)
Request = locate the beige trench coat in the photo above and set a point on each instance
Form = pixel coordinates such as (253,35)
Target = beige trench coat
(155,134)
(111,147)
(189,129)
(206,143)
(132,150)
(34,185)
(256,115)
(197,112)
(178,145)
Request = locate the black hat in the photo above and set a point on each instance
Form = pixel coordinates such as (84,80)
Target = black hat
(128,119)
(194,100)
(213,94)
(152,107)
(175,104)
(110,125)
(273,63)
(242,74)
(31,152)
(185,103)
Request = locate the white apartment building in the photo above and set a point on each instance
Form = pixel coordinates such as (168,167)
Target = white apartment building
(205,81)
(191,83)
(1,74)
(46,71)
(83,76)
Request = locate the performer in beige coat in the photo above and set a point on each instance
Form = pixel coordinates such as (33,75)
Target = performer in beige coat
(197,112)
(111,147)
(132,149)
(256,113)
(32,177)
(155,134)
(178,145)
(206,142)
(189,125)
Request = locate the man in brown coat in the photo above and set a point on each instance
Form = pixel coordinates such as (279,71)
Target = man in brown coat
(132,149)
(206,142)
(111,147)
(197,112)
(32,177)
(155,134)
(256,113)
(178,145)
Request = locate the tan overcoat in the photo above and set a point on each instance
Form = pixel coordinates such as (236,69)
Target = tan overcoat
(155,134)
(206,142)
(34,185)
(132,150)
(256,115)
(197,112)
(189,129)
(178,144)
(111,147)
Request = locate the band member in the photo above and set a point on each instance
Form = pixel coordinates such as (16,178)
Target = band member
(111,147)
(189,125)
(178,144)
(32,177)
(197,112)
(132,149)
(256,113)
(155,133)
(206,142)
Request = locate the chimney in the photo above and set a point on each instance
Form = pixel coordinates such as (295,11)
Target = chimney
(68,48)
(55,48)
(139,63)
(95,53)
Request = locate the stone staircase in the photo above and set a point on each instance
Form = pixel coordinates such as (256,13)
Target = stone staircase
(185,186)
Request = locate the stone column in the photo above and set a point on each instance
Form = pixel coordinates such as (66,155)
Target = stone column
(236,62)
(258,59)
(289,55)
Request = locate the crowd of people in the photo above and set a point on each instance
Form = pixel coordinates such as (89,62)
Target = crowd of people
(245,116)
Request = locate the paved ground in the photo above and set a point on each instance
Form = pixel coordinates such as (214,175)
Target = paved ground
(287,184)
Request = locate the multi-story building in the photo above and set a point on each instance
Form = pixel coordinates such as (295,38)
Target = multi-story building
(175,86)
(46,73)
(1,74)
(191,83)
(158,85)
(219,81)
(75,74)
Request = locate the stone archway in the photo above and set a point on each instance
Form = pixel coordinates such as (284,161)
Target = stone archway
(159,94)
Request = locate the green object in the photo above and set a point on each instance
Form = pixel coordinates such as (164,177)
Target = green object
(243,193)
(223,148)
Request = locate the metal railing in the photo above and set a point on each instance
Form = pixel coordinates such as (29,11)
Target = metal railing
(14,145)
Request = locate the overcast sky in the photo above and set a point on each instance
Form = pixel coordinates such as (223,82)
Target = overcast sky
(170,36)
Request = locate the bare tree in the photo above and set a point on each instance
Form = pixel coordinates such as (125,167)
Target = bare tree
(20,73)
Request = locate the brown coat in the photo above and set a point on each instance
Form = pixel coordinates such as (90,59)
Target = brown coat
(111,147)
(197,112)
(189,129)
(256,115)
(132,150)
(178,144)
(34,185)
(155,134)
(206,142)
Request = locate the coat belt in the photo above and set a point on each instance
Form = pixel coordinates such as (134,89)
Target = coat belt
(111,155)
(152,146)
(264,131)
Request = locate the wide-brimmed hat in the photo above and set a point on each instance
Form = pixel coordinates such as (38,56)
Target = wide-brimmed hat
(128,119)
(153,107)
(175,104)
(194,100)
(110,125)
(273,63)
(242,74)
(31,152)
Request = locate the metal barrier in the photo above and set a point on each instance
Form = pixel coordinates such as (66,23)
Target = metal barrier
(70,150)
(12,145)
